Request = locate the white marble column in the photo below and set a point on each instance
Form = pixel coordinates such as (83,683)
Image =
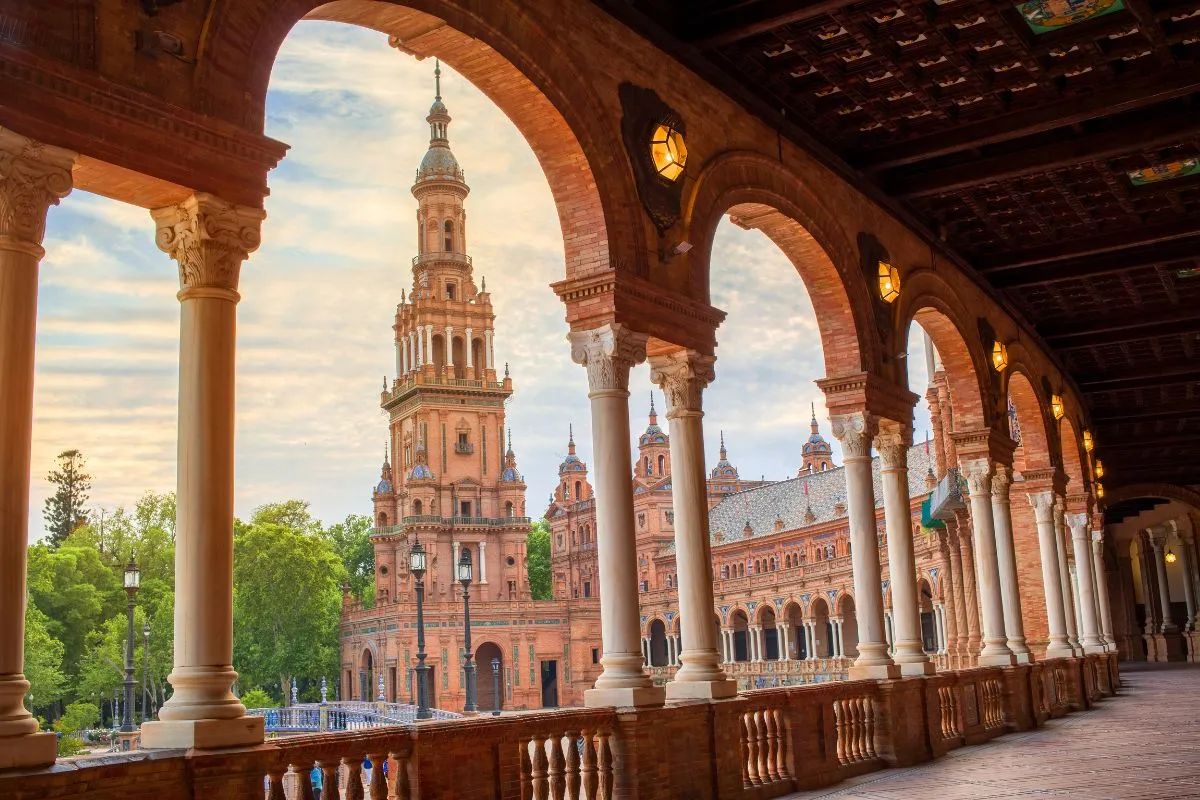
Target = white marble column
(608,353)
(489,357)
(1158,538)
(810,649)
(785,640)
(1185,565)
(419,340)
(939,628)
(838,645)
(727,644)
(1043,506)
(1102,598)
(682,376)
(1064,574)
(467,350)
(856,431)
(209,239)
(450,349)
(483,562)
(33,177)
(905,641)
(1082,541)
(995,652)
(1006,561)
(399,360)
(429,344)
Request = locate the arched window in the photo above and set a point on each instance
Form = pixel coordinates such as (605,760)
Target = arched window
(646,465)
(787,561)
(587,533)
(573,541)
(662,465)
(820,554)
(578,486)
(508,509)
(772,564)
(562,491)
(416,508)
(741,570)
(449,239)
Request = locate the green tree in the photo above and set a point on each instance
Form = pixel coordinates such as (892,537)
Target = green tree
(257,698)
(537,552)
(79,716)
(351,542)
(76,591)
(43,659)
(292,514)
(286,605)
(65,510)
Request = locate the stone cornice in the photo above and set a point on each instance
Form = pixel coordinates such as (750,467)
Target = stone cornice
(1050,480)
(864,391)
(984,443)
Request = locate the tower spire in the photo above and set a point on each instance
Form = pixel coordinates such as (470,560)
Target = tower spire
(653,414)
(813,425)
(571,438)
(437,79)
(723,456)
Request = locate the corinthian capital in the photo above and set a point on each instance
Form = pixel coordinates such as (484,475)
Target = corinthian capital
(1078,525)
(209,239)
(1001,482)
(33,177)
(682,376)
(608,353)
(1043,506)
(978,474)
(855,431)
(892,445)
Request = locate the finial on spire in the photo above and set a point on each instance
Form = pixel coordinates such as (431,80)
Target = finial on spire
(510,440)
(437,79)
(571,438)
(403,297)
(385,452)
(506,369)
(385,383)
(483,283)
(722,440)
(814,410)
(652,412)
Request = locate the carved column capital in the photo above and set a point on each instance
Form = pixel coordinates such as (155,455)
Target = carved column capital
(855,431)
(892,444)
(1043,506)
(1158,536)
(1078,525)
(683,376)
(1098,539)
(978,474)
(209,239)
(1001,482)
(608,353)
(33,177)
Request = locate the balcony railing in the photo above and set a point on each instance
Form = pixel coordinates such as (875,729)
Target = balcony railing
(762,744)
(491,522)
(947,496)
(430,258)
(464,448)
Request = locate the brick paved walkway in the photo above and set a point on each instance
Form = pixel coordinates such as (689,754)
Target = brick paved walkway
(1142,745)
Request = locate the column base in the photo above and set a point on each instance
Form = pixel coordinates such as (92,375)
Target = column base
(1059,650)
(1024,658)
(624,698)
(1168,646)
(203,734)
(918,668)
(32,750)
(701,690)
(878,672)
(1095,648)
(997,659)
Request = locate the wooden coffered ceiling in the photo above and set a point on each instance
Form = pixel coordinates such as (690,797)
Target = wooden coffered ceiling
(1055,157)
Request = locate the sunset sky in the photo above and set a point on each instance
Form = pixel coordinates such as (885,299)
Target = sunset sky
(315,339)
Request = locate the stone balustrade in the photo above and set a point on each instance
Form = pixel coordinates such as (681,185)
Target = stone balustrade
(760,744)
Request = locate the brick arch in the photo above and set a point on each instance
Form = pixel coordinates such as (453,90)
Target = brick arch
(930,305)
(1167,491)
(1074,459)
(789,211)
(760,612)
(656,618)
(1038,449)
(499,49)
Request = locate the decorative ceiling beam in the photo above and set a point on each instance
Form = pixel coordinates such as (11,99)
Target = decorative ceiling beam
(1067,269)
(744,20)
(1067,111)
(1138,324)
(1138,415)
(1156,375)
(1144,135)
(1134,246)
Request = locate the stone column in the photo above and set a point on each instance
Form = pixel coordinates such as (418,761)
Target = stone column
(483,562)
(1102,598)
(950,599)
(970,585)
(682,376)
(839,646)
(399,360)
(958,598)
(810,641)
(1081,539)
(1158,538)
(1006,559)
(489,361)
(450,349)
(420,344)
(1185,564)
(33,177)
(893,445)
(1056,622)
(467,349)
(608,353)
(978,472)
(429,344)
(856,431)
(1064,574)
(209,239)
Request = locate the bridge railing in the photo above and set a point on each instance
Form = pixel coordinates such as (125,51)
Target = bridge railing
(340,716)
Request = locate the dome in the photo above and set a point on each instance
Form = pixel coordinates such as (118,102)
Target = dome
(384,486)
(421,472)
(438,108)
(439,164)
(570,464)
(509,475)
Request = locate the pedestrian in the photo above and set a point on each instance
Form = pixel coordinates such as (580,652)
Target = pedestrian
(367,769)
(317,778)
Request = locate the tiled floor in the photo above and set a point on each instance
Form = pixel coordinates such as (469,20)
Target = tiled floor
(1143,745)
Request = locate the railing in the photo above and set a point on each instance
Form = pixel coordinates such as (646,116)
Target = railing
(762,744)
(947,496)
(430,258)
(464,448)
(347,716)
(491,522)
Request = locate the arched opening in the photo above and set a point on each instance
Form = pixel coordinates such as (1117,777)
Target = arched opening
(770,634)
(929,627)
(662,465)
(478,360)
(658,644)
(508,509)
(579,490)
(448,239)
(849,627)
(417,508)
(741,636)
(383,519)
(796,645)
(460,364)
(490,677)
(439,353)
(366,676)
(822,629)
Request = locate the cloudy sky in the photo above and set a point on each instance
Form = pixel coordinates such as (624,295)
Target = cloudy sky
(318,299)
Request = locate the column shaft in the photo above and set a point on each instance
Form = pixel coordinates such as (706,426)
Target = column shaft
(1157,540)
(1006,559)
(1102,598)
(1056,622)
(1064,575)
(608,353)
(1082,541)
(856,431)
(978,473)
(682,376)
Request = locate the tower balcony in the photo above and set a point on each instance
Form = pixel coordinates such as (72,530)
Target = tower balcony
(442,258)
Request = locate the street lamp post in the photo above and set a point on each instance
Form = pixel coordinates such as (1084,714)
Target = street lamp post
(496,686)
(464,577)
(132,581)
(416,565)
(145,671)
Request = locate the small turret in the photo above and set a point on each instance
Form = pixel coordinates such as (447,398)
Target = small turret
(654,449)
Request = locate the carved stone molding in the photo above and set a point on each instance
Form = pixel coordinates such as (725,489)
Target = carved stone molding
(978,474)
(683,376)
(892,445)
(1043,506)
(209,239)
(855,431)
(33,177)
(1001,482)
(608,353)
(1078,525)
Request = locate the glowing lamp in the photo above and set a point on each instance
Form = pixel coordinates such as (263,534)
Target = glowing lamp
(1099,492)
(668,152)
(416,560)
(1056,406)
(889,282)
(1171,557)
(1099,468)
(1088,443)
(999,356)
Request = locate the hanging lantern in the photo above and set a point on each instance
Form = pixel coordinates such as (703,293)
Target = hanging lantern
(1099,468)
(889,282)
(1171,557)
(999,356)
(1099,492)
(1056,406)
(1088,443)
(668,152)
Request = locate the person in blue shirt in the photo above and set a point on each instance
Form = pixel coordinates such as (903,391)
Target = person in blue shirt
(317,778)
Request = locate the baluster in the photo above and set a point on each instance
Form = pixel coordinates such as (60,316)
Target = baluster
(537,769)
(379,783)
(570,752)
(772,744)
(329,770)
(554,768)
(839,715)
(752,775)
(854,729)
(587,773)
(760,730)
(302,781)
(275,785)
(869,728)
(781,748)
(352,769)
(604,782)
